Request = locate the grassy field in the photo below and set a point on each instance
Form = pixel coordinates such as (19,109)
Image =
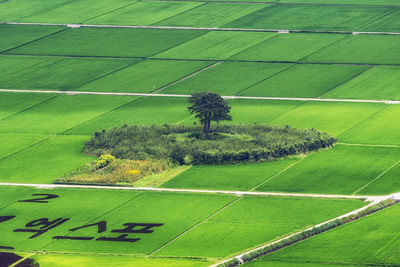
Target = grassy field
(388,23)
(377,83)
(343,2)
(106,42)
(54,73)
(216,45)
(310,17)
(228,177)
(228,78)
(60,114)
(74,11)
(363,49)
(342,170)
(12,143)
(211,15)
(18,35)
(287,47)
(144,13)
(371,240)
(145,76)
(380,128)
(252,221)
(304,80)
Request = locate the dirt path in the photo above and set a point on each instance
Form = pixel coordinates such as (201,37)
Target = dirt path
(203,191)
(198,28)
(226,97)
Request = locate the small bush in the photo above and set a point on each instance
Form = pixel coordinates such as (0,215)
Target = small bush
(104,160)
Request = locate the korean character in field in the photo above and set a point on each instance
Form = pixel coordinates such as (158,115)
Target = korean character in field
(131,228)
(101,227)
(43,225)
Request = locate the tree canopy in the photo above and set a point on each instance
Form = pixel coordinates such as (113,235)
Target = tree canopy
(209,106)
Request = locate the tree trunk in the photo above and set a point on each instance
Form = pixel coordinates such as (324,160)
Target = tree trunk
(207,125)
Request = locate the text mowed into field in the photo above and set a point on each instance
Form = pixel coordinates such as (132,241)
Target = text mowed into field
(371,240)
(107,42)
(311,17)
(130,222)
(341,170)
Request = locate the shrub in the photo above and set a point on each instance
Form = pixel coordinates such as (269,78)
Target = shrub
(104,160)
(225,144)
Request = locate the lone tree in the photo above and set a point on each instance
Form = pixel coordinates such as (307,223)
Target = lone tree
(208,107)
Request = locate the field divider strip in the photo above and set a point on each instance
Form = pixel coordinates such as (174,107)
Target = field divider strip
(196,225)
(392,102)
(201,60)
(183,12)
(275,2)
(368,145)
(240,260)
(198,191)
(376,178)
(187,77)
(346,81)
(199,28)
(110,11)
(279,173)
(377,19)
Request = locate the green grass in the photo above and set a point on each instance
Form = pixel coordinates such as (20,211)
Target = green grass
(211,15)
(16,10)
(53,73)
(310,17)
(253,221)
(342,170)
(390,23)
(334,118)
(380,82)
(55,260)
(382,128)
(145,77)
(12,143)
(144,111)
(12,103)
(228,177)
(21,34)
(370,240)
(144,13)
(304,80)
(108,42)
(363,49)
(60,114)
(216,45)
(76,11)
(44,162)
(278,263)
(227,78)
(288,47)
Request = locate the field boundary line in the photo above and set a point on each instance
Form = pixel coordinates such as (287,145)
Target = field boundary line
(346,81)
(94,118)
(32,41)
(274,2)
(14,264)
(363,120)
(187,77)
(267,78)
(199,191)
(48,137)
(197,224)
(183,12)
(208,60)
(378,19)
(108,73)
(199,28)
(110,11)
(279,173)
(376,178)
(354,212)
(392,102)
(368,145)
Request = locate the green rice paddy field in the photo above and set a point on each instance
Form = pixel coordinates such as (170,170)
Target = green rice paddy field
(178,53)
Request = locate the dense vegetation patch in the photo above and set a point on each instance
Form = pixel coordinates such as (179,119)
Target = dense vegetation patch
(224,144)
